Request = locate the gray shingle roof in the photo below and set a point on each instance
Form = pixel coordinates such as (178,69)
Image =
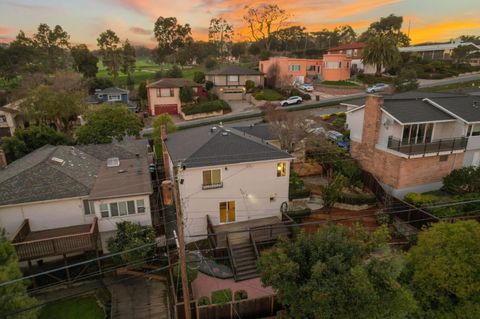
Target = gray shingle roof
(202,146)
(36,177)
(262,131)
(466,107)
(420,95)
(172,83)
(234,70)
(414,111)
(112,90)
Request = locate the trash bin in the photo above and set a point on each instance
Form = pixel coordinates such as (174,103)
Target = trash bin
(317,97)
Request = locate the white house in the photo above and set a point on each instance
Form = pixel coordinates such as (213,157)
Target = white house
(410,141)
(10,119)
(228,174)
(81,191)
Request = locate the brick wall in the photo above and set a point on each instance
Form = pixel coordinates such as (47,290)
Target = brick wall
(395,171)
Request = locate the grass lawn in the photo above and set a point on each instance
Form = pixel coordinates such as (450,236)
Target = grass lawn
(452,87)
(81,308)
(339,83)
(145,70)
(268,95)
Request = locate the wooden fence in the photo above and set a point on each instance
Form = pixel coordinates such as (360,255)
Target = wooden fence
(249,308)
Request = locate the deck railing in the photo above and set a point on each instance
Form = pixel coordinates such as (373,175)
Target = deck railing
(27,250)
(435,147)
(212,236)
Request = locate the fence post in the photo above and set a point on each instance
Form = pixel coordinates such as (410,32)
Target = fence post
(272,303)
(231,309)
(197,310)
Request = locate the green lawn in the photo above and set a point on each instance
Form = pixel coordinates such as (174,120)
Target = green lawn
(452,87)
(81,308)
(268,95)
(339,83)
(145,70)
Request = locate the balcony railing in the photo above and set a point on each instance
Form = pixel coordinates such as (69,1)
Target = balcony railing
(438,147)
(212,186)
(32,245)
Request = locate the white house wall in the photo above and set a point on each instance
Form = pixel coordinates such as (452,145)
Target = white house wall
(392,129)
(249,185)
(447,130)
(355,124)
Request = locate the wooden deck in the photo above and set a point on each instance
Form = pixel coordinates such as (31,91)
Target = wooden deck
(238,231)
(53,242)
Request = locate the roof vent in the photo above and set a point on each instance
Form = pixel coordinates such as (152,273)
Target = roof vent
(57,161)
(113,162)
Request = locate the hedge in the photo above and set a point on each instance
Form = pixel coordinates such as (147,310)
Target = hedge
(240,294)
(206,107)
(298,193)
(203,301)
(268,95)
(221,296)
(357,199)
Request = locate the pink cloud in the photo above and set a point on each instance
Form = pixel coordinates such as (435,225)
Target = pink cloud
(140,31)
(5,30)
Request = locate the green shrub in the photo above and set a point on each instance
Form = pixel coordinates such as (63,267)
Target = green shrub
(191,274)
(325,117)
(199,77)
(249,85)
(420,200)
(174,72)
(296,187)
(462,181)
(298,193)
(208,85)
(383,218)
(339,123)
(341,114)
(221,296)
(357,199)
(210,63)
(299,214)
(268,95)
(205,107)
(351,170)
(186,94)
(240,294)
(203,301)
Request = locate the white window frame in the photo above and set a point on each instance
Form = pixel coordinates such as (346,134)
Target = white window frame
(233,78)
(114,97)
(140,208)
(104,208)
(211,176)
(88,207)
(294,67)
(162,92)
(473,130)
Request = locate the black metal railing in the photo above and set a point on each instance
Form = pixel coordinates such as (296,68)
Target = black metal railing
(435,147)
(212,186)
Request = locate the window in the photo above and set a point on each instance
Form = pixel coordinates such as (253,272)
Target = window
(332,65)
(311,68)
(233,78)
(355,52)
(443,158)
(348,65)
(473,130)
(417,133)
(3,119)
(88,207)
(349,52)
(116,97)
(113,209)
(294,67)
(211,177)
(339,65)
(281,169)
(227,212)
(131,207)
(104,210)
(122,207)
(140,206)
(165,92)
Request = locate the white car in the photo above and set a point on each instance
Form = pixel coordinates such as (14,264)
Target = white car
(316,131)
(306,87)
(379,87)
(291,100)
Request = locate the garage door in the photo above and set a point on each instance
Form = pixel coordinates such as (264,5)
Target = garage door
(233,95)
(166,108)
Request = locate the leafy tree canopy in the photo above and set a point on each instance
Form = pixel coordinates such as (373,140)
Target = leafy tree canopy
(162,119)
(107,122)
(131,235)
(337,273)
(84,61)
(390,27)
(443,270)
(111,52)
(171,36)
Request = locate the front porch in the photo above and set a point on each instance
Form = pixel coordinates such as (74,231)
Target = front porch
(54,242)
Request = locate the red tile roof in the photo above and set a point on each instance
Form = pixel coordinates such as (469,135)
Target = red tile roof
(355,45)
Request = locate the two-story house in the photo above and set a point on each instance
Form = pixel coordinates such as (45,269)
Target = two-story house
(10,119)
(355,52)
(439,51)
(229,82)
(412,140)
(331,67)
(62,199)
(164,95)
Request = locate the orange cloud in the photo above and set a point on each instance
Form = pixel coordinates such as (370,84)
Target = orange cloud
(443,30)
(5,30)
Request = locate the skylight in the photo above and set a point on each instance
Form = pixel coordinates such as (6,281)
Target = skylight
(113,162)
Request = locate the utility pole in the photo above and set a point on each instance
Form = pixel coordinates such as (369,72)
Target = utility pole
(181,246)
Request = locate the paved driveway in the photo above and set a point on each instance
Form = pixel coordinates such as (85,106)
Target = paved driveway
(240,106)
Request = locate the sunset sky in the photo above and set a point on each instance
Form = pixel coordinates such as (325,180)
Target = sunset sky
(431,20)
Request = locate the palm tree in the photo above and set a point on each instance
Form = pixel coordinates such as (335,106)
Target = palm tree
(381,51)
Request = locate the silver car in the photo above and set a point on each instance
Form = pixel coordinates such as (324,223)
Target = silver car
(379,87)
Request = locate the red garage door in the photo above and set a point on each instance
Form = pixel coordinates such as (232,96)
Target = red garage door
(166,108)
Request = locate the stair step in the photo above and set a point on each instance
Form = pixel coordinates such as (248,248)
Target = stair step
(242,269)
(249,261)
(247,272)
(242,249)
(244,255)
(244,245)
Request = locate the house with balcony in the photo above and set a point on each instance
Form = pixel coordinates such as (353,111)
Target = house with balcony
(66,200)
(410,141)
(229,82)
(439,51)
(164,95)
(332,67)
(232,185)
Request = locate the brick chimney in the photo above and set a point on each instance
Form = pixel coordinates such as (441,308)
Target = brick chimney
(3,159)
(372,120)
(167,193)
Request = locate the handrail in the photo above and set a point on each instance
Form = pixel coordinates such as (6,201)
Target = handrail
(232,260)
(22,231)
(211,231)
(436,146)
(252,240)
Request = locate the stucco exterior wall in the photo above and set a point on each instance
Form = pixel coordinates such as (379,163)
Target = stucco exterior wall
(222,80)
(249,185)
(153,99)
(355,124)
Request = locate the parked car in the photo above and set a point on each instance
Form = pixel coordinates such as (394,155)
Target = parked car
(306,87)
(291,100)
(339,139)
(379,87)
(316,131)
